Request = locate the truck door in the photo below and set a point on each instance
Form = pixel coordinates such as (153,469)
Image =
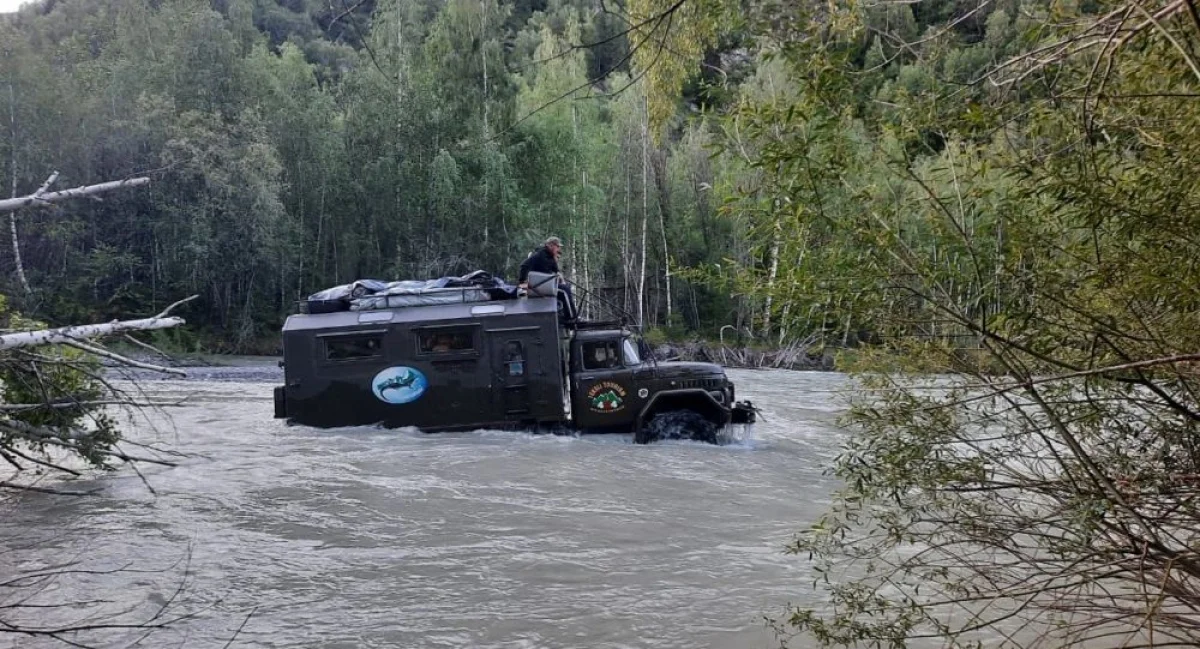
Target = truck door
(604,396)
(514,366)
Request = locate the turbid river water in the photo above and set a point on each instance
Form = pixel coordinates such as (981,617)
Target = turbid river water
(371,538)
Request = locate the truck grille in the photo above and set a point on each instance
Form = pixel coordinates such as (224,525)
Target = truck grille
(707,384)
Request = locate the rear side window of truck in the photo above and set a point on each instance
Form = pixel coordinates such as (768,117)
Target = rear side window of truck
(456,341)
(349,348)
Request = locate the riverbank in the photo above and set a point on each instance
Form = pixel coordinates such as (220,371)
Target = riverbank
(222,367)
(201,367)
(789,357)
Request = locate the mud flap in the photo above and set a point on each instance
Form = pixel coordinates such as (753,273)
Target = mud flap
(280,403)
(743,412)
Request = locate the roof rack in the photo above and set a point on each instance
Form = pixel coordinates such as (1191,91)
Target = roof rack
(599,324)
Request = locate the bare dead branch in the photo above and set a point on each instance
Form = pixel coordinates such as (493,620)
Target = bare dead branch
(240,627)
(48,465)
(165,312)
(123,360)
(44,490)
(345,12)
(147,346)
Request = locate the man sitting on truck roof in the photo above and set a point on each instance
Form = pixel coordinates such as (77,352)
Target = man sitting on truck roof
(542,260)
(545,260)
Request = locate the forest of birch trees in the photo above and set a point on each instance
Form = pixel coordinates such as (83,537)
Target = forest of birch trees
(292,146)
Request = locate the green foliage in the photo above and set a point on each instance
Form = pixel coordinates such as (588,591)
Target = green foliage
(58,392)
(1011,245)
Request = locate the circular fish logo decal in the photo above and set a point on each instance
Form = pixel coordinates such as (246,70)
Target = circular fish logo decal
(399,385)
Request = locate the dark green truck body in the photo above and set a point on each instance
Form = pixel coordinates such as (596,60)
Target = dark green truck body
(486,365)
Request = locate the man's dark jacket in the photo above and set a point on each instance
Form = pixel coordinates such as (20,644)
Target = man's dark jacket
(541,261)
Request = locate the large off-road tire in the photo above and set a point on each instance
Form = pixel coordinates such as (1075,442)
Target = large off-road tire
(678,424)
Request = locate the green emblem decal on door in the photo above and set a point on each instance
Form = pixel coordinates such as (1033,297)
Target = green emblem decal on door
(606,397)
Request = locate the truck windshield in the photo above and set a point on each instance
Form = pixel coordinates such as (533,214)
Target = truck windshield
(630,353)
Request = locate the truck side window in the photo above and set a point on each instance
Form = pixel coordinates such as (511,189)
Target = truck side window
(600,355)
(345,348)
(631,353)
(514,358)
(445,342)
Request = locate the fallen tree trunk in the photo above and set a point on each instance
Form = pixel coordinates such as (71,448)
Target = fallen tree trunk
(44,198)
(68,335)
(71,335)
(12,224)
(60,413)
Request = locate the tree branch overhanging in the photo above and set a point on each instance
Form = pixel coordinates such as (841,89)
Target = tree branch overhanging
(38,199)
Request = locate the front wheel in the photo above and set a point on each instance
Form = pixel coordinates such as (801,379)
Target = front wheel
(678,424)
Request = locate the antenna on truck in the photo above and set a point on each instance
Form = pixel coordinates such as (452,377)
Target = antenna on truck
(620,311)
(593,296)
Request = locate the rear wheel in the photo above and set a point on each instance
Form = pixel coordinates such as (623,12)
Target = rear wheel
(678,424)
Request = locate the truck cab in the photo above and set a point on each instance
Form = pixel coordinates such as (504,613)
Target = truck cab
(617,386)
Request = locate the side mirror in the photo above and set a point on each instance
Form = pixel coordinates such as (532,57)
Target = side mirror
(645,351)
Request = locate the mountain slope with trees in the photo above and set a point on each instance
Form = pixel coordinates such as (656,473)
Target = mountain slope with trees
(292,150)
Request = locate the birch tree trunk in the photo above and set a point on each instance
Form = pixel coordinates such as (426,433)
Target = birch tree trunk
(576,230)
(641,293)
(664,206)
(40,197)
(12,135)
(16,246)
(626,263)
(483,57)
(776,237)
(12,218)
(587,243)
(772,273)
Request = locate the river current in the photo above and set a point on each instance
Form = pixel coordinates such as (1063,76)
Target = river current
(285,536)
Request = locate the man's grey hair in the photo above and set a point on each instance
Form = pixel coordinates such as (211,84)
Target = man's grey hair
(554,241)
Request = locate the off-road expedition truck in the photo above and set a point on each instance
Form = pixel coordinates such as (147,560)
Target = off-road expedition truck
(472,353)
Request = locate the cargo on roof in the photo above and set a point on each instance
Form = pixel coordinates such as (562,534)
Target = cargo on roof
(371,294)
